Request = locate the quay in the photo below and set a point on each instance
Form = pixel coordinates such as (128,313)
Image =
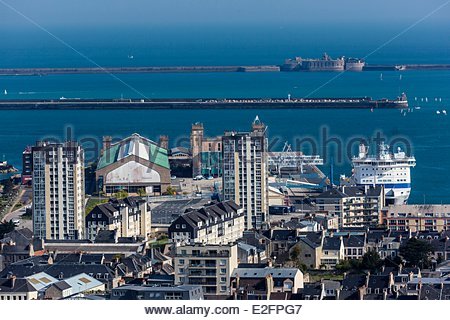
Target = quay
(202,103)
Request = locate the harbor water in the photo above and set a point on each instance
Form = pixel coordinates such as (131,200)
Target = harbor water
(425,131)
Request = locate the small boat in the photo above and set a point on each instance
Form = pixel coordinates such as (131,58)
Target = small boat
(130,56)
(426,99)
(438,112)
(417,108)
(444,112)
(6,92)
(381,76)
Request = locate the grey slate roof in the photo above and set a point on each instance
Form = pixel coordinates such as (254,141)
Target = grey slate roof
(331,243)
(353,241)
(19,285)
(262,273)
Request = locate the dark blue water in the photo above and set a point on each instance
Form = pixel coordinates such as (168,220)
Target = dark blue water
(425,132)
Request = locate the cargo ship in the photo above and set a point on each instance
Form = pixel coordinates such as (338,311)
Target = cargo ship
(400,102)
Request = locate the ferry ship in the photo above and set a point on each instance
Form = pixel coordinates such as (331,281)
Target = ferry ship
(390,170)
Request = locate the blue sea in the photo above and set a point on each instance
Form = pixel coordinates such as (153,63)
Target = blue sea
(423,132)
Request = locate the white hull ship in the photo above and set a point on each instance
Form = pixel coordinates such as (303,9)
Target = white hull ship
(389,170)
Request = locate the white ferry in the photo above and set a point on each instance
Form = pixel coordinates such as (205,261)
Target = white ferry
(390,170)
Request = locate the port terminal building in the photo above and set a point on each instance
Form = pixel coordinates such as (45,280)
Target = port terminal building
(133,164)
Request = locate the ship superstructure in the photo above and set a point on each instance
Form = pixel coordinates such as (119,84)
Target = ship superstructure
(390,170)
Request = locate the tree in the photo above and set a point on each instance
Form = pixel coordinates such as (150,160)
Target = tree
(121,194)
(141,192)
(417,253)
(347,265)
(343,265)
(6,227)
(294,258)
(371,261)
(171,191)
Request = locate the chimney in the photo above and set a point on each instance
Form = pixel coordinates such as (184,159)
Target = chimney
(164,142)
(13,281)
(31,250)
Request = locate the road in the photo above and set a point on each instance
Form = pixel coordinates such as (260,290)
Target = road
(25,198)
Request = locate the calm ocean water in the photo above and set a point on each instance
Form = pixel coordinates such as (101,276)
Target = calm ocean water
(426,132)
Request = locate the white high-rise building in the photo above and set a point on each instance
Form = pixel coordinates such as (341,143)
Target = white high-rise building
(245,174)
(58,190)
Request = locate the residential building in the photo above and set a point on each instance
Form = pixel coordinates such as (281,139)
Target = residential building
(261,283)
(133,292)
(332,251)
(215,223)
(428,217)
(355,206)
(309,246)
(16,245)
(58,190)
(65,266)
(208,265)
(245,173)
(12,288)
(134,164)
(165,211)
(354,246)
(206,152)
(313,291)
(27,165)
(130,217)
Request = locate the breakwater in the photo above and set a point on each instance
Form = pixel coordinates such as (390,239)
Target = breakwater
(200,69)
(242,103)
